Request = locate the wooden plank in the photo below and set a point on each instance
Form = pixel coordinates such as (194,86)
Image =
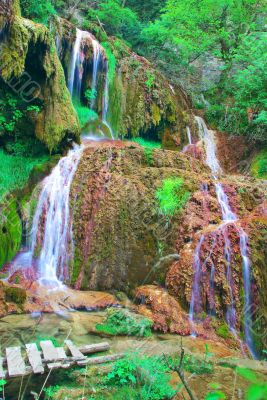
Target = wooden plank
(61,355)
(34,356)
(57,365)
(15,363)
(94,348)
(101,360)
(49,350)
(2,371)
(52,353)
(75,352)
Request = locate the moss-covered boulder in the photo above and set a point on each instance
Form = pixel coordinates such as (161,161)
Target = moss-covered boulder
(121,237)
(10,230)
(31,68)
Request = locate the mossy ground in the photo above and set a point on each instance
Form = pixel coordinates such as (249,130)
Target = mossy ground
(259,165)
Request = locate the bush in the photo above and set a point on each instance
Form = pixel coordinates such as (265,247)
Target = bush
(223,331)
(148,374)
(172,196)
(259,165)
(15,295)
(121,322)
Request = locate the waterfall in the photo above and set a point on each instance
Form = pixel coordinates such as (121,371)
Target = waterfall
(189,137)
(53,208)
(97,56)
(76,67)
(195,297)
(209,142)
(106,103)
(228,216)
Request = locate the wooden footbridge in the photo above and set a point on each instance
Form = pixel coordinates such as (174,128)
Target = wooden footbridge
(16,364)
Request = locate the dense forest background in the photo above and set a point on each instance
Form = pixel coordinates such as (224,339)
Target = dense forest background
(215,50)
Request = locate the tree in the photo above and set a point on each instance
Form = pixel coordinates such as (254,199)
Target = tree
(37,10)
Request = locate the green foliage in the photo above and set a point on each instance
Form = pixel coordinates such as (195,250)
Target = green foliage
(150,79)
(3,382)
(257,389)
(121,322)
(215,395)
(21,167)
(90,94)
(15,295)
(51,391)
(84,113)
(150,374)
(172,196)
(111,61)
(117,20)
(223,331)
(259,165)
(37,10)
(195,365)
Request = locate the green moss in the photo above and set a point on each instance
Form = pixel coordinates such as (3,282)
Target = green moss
(15,295)
(147,143)
(10,231)
(31,41)
(172,196)
(223,331)
(21,168)
(259,165)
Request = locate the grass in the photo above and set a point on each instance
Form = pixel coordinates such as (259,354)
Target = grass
(172,196)
(15,171)
(259,165)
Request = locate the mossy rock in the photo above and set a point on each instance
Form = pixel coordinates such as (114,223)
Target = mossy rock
(223,331)
(10,231)
(28,53)
(15,295)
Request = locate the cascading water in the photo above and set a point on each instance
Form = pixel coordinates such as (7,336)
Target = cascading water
(189,136)
(195,297)
(76,69)
(53,204)
(97,57)
(228,216)
(106,103)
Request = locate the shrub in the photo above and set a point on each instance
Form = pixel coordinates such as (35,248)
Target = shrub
(85,115)
(15,295)
(259,165)
(223,331)
(148,374)
(121,322)
(172,196)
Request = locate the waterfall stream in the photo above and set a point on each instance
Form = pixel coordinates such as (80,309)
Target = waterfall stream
(53,204)
(189,136)
(228,216)
(77,71)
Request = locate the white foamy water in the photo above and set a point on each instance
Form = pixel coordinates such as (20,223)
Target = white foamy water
(54,209)
(228,216)
(189,137)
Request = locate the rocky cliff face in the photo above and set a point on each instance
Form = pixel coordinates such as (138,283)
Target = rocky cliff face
(31,69)
(122,240)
